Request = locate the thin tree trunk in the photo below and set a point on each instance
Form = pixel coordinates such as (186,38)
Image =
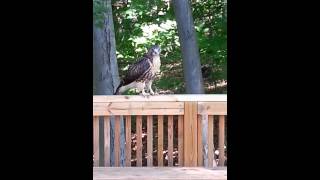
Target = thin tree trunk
(106,77)
(191,60)
(190,51)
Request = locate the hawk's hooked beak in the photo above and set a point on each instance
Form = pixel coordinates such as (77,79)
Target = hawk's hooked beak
(157,51)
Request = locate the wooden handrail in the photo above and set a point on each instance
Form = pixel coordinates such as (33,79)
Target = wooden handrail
(161,98)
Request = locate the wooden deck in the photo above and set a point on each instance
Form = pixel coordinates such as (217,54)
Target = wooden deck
(159,173)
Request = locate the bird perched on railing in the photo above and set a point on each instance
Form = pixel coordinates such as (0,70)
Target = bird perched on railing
(141,74)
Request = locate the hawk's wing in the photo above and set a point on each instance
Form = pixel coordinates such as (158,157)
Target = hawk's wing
(138,71)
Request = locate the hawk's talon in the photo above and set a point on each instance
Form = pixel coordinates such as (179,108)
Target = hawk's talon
(145,95)
(154,93)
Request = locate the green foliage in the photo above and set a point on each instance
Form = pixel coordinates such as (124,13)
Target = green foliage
(139,24)
(211,27)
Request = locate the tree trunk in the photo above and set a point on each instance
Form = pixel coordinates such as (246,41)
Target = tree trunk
(106,77)
(190,51)
(225,7)
(191,59)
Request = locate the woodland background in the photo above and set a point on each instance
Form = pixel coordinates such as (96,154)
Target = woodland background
(138,24)
(192,35)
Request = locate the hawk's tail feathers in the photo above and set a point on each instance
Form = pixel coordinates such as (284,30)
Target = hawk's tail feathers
(118,88)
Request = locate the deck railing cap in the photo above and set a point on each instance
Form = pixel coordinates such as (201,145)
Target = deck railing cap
(166,98)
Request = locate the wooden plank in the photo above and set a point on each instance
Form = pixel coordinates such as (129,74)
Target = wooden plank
(199,136)
(149,140)
(170,140)
(159,98)
(137,108)
(128,140)
(221,140)
(139,105)
(180,140)
(139,140)
(211,159)
(160,140)
(204,132)
(212,108)
(159,173)
(117,141)
(190,134)
(116,112)
(106,141)
(96,141)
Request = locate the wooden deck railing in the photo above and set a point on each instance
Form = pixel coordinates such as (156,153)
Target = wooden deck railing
(194,116)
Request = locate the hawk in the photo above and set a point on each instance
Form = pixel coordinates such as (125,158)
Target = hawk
(141,74)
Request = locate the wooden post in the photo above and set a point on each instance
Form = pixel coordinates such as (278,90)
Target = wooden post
(170,140)
(96,140)
(160,140)
(180,140)
(106,141)
(149,140)
(204,131)
(199,148)
(190,134)
(221,140)
(117,141)
(211,159)
(128,140)
(139,140)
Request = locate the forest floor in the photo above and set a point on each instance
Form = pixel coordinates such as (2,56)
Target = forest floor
(209,89)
